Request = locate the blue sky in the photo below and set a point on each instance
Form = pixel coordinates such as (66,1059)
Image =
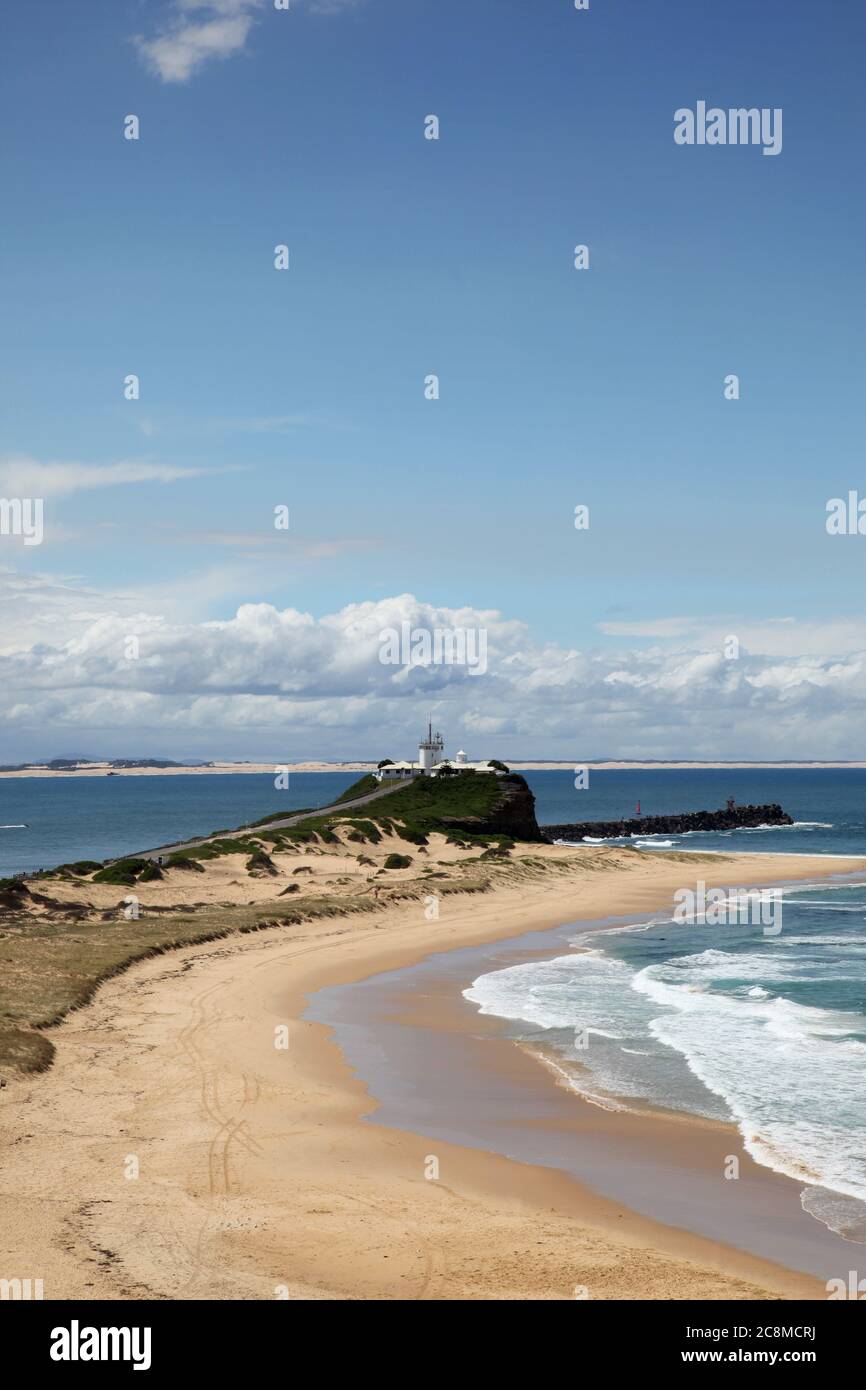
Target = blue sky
(452,257)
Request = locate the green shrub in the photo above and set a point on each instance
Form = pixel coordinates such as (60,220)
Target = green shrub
(397,861)
(13,888)
(415,837)
(215,849)
(300,835)
(123,873)
(184,861)
(260,862)
(368,830)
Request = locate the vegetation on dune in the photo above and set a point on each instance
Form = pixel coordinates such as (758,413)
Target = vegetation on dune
(328,837)
(466,841)
(360,831)
(261,863)
(397,861)
(304,835)
(415,837)
(184,861)
(13,892)
(215,849)
(124,872)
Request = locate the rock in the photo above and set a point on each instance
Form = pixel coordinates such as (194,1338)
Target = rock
(513,815)
(735,818)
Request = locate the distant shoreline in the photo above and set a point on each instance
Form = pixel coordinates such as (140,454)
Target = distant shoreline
(104,769)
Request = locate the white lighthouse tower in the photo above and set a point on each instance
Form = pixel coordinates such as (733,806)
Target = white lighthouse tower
(433,763)
(430,751)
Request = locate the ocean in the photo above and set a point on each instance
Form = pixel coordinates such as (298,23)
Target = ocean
(50,820)
(828,805)
(46,821)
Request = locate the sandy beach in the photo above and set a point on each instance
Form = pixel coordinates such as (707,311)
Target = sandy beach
(176,1149)
(104,769)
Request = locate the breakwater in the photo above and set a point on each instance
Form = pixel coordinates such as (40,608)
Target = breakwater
(730,818)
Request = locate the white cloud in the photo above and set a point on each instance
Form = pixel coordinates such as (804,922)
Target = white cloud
(268,679)
(786,636)
(198,31)
(21,476)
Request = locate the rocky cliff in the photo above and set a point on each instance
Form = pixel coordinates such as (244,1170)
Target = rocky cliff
(511,812)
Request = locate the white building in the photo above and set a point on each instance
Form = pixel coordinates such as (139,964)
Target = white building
(431,761)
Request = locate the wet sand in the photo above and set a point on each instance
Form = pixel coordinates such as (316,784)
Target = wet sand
(408,1033)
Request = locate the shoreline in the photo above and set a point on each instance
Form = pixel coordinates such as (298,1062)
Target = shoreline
(104,769)
(666,1164)
(256,1166)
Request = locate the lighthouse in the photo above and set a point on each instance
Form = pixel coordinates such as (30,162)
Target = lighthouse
(430,750)
(433,763)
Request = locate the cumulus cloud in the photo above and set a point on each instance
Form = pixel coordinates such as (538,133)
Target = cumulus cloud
(267,680)
(198,31)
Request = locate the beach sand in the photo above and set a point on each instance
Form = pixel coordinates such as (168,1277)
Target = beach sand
(256,1174)
(104,768)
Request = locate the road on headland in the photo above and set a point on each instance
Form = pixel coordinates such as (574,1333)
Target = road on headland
(162,851)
